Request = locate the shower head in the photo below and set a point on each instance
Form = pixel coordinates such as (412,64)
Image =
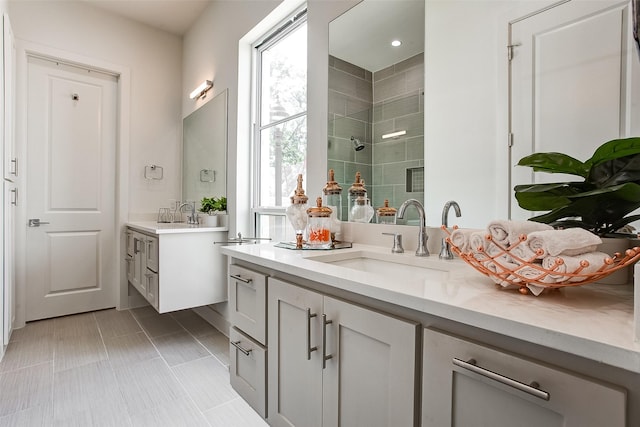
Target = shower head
(357,144)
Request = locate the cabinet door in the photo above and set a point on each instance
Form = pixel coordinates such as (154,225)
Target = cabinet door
(295,365)
(248,302)
(248,370)
(137,279)
(466,384)
(370,379)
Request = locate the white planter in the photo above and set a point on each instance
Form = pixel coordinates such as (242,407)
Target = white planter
(609,246)
(210,220)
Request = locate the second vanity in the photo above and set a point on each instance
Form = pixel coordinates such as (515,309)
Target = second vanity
(346,337)
(176,266)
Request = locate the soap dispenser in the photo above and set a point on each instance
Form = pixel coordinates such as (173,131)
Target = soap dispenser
(297,212)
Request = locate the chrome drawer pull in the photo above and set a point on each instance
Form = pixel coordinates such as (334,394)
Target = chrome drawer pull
(237,345)
(325,357)
(532,389)
(242,279)
(309,348)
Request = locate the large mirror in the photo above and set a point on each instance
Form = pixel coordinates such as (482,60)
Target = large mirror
(376,100)
(204,151)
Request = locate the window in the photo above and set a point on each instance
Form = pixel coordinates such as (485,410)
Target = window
(280,134)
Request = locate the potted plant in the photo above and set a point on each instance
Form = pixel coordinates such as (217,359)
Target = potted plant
(213,206)
(601,202)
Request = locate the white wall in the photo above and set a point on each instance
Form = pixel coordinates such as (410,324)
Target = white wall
(154,58)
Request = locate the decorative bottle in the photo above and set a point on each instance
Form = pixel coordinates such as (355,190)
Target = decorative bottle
(297,212)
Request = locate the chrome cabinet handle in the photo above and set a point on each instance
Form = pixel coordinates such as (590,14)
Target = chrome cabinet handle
(309,348)
(531,389)
(35,222)
(242,279)
(325,357)
(14,202)
(135,245)
(14,172)
(239,347)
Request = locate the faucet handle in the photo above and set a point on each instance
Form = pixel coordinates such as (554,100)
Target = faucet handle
(397,243)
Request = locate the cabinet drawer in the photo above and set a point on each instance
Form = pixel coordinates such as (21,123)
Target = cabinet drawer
(468,384)
(247,370)
(248,302)
(151,253)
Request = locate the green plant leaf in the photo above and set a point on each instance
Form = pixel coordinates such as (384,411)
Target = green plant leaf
(542,197)
(629,192)
(616,171)
(555,163)
(614,149)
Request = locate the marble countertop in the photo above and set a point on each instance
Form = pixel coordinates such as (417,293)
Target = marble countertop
(172,227)
(594,321)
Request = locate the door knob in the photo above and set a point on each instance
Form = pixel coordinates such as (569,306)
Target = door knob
(35,222)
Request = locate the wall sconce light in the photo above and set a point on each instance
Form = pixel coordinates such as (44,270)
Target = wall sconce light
(394,134)
(201,91)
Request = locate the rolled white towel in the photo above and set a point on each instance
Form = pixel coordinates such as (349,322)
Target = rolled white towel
(506,232)
(478,240)
(572,241)
(460,238)
(571,263)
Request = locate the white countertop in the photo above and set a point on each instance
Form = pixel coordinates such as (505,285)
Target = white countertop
(593,321)
(172,227)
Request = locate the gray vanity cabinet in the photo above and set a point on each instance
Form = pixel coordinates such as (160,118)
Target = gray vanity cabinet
(335,363)
(467,384)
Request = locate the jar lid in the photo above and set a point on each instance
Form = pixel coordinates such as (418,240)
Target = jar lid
(299,198)
(319,210)
(332,186)
(386,210)
(357,188)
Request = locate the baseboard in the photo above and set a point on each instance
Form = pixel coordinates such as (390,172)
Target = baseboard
(214,318)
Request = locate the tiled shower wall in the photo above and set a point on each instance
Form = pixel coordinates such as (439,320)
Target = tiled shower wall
(367,106)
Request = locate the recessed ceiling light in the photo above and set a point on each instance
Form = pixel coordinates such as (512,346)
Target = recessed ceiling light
(396,43)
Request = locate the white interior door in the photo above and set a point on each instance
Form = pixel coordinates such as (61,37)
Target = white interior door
(71,166)
(574,83)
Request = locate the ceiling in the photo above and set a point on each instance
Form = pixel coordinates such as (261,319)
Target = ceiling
(173,16)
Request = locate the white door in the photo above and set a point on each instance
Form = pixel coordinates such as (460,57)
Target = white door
(575,79)
(71,173)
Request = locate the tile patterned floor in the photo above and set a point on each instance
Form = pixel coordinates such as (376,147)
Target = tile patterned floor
(120,368)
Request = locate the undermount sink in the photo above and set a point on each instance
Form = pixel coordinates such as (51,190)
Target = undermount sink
(394,266)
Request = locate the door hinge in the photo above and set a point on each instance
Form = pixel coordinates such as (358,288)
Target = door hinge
(510,50)
(510,141)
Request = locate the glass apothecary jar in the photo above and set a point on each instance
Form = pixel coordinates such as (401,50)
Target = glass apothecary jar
(319,226)
(386,214)
(357,199)
(361,211)
(333,200)
(297,212)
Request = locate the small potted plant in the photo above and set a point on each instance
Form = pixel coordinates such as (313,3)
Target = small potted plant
(213,207)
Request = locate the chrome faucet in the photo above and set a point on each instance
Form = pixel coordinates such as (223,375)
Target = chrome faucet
(193,218)
(445,249)
(422,234)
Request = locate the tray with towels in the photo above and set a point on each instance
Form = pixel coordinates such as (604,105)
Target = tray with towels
(533,257)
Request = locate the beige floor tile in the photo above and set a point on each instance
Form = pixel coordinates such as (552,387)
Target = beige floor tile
(72,352)
(128,349)
(217,344)
(114,323)
(179,348)
(27,352)
(147,385)
(85,389)
(236,413)
(76,325)
(197,378)
(159,325)
(36,416)
(33,331)
(181,412)
(193,323)
(26,388)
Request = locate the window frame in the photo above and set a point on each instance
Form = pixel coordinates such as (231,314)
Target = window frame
(271,38)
